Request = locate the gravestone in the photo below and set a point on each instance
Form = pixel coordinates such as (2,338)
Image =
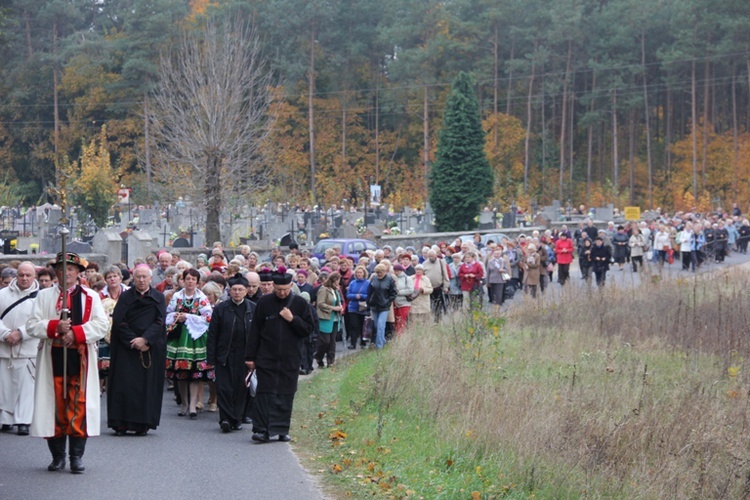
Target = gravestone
(181,243)
(486,220)
(605,213)
(108,242)
(147,217)
(78,247)
(140,244)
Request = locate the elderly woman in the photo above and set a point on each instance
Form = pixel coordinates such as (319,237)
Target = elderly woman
(531,265)
(402,304)
(330,307)
(188,316)
(420,299)
(470,274)
(357,310)
(456,297)
(109,295)
(498,270)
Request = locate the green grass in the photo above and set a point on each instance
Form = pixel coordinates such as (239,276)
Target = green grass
(362,446)
(548,402)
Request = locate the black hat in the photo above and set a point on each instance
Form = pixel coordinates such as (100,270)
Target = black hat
(238,279)
(281,277)
(71,258)
(265,275)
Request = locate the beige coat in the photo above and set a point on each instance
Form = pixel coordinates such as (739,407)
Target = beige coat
(421,305)
(43,312)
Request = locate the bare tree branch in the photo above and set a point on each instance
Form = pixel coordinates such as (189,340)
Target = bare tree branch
(211,112)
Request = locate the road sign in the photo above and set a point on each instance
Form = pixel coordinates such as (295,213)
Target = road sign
(632,213)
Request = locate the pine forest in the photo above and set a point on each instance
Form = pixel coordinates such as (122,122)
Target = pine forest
(583,101)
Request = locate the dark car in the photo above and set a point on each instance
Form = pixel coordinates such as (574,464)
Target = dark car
(350,248)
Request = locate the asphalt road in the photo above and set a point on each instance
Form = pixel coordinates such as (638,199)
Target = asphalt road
(182,459)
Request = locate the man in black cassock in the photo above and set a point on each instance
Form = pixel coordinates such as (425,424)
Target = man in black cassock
(281,321)
(225,348)
(138,351)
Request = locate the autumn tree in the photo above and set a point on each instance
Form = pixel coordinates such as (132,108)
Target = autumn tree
(210,111)
(461,178)
(95,185)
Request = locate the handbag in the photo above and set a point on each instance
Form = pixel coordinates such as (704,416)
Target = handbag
(362,305)
(550,267)
(505,276)
(367,329)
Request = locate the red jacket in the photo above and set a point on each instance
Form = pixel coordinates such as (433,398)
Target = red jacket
(564,250)
(467,282)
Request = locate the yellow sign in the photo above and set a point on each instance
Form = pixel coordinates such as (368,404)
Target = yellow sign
(632,213)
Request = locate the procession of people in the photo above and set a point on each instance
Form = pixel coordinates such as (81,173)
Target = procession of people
(250,326)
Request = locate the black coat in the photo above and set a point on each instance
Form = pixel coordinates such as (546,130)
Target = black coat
(600,257)
(136,379)
(273,343)
(382,293)
(219,342)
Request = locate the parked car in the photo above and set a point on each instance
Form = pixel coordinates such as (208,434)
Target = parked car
(349,247)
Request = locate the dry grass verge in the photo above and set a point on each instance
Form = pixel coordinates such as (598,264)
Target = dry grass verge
(624,392)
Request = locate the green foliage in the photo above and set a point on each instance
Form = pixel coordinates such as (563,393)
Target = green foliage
(461,178)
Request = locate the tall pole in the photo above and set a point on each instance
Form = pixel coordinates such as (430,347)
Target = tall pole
(62,194)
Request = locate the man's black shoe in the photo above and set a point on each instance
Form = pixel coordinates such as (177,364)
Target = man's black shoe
(224,426)
(237,427)
(261,438)
(285,438)
(23,430)
(6,428)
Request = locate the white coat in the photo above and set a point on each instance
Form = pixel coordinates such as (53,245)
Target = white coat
(94,327)
(16,319)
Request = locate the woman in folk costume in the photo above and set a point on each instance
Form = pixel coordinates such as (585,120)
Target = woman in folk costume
(66,396)
(188,316)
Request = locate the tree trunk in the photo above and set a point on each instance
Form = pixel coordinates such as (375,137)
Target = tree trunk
(735,135)
(343,129)
(147,146)
(615,154)
(571,136)
(590,150)
(509,94)
(377,136)
(212,192)
(544,143)
(668,132)
(310,114)
(631,155)
(27,21)
(648,125)
(495,88)
(706,118)
(694,115)
(527,145)
(564,120)
(55,99)
(426,127)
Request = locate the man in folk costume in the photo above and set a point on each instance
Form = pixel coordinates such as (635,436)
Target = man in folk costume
(280,321)
(17,351)
(66,397)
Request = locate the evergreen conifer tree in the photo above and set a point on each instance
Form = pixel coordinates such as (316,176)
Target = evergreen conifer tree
(461,177)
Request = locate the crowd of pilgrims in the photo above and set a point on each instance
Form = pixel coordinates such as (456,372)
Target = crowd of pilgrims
(365,300)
